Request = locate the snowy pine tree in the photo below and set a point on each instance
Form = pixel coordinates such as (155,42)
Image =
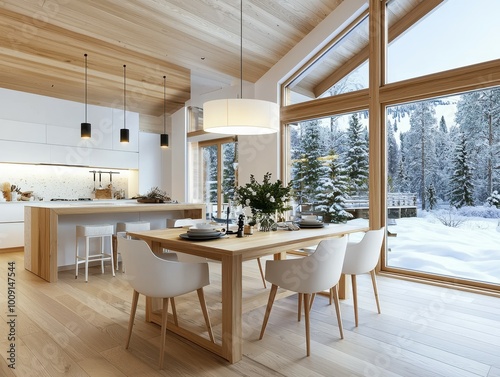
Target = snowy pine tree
(402,182)
(392,157)
(307,168)
(443,152)
(334,192)
(478,114)
(229,152)
(431,197)
(356,158)
(462,189)
(421,152)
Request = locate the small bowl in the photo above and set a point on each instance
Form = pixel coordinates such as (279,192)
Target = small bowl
(309,217)
(203,226)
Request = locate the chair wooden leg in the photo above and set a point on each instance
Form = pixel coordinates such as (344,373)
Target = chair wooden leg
(102,255)
(375,289)
(335,292)
(313,296)
(135,298)
(87,245)
(201,297)
(272,295)
(174,311)
(164,320)
(299,309)
(330,296)
(261,273)
(355,298)
(111,255)
(306,315)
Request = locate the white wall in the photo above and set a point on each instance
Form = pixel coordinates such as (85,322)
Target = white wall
(179,157)
(150,162)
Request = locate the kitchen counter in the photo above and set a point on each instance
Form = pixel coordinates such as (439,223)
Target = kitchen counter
(49,227)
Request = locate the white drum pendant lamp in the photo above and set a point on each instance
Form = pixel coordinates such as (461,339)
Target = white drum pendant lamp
(239,116)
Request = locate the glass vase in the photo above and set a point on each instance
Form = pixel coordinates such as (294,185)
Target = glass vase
(267,222)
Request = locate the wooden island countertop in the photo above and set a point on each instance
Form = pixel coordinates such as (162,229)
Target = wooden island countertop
(49,227)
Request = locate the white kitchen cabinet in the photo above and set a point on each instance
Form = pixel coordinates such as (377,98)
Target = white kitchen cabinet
(65,155)
(22,131)
(114,159)
(11,225)
(53,135)
(22,152)
(11,235)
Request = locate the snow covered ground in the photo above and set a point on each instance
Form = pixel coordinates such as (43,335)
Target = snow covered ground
(470,251)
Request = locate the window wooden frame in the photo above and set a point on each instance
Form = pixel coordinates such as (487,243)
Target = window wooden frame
(218,143)
(376,99)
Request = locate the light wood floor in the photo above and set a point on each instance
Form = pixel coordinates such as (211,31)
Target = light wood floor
(71,328)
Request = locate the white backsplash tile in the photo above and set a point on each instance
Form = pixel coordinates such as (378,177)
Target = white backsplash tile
(47,181)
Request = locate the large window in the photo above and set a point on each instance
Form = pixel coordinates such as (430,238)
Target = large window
(434,147)
(455,34)
(446,153)
(329,166)
(339,68)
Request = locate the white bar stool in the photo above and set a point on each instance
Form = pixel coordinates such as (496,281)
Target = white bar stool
(129,226)
(104,233)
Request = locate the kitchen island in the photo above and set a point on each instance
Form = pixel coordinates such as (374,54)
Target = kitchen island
(49,228)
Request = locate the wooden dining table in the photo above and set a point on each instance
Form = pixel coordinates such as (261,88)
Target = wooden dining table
(232,251)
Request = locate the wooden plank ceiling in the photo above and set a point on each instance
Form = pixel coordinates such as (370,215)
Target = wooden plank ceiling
(42,44)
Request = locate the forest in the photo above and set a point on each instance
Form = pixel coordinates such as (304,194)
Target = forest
(450,161)
(445,162)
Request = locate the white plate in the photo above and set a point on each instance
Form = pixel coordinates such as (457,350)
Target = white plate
(201,230)
(205,233)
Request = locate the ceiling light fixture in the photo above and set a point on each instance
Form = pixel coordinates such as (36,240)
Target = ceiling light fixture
(85,128)
(124,133)
(164,136)
(238,116)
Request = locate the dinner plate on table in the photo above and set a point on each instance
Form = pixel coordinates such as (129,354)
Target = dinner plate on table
(197,231)
(311,224)
(201,237)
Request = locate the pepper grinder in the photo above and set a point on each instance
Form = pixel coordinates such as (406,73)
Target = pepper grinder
(240,226)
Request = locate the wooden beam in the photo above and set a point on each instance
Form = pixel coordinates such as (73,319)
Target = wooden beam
(343,103)
(421,10)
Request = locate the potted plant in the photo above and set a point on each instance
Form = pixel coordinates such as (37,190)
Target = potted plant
(248,228)
(265,200)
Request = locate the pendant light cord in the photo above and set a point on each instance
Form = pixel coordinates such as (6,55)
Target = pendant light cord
(124,97)
(241,49)
(85,87)
(164,101)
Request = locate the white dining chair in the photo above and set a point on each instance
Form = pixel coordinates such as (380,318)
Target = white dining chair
(314,273)
(361,258)
(159,278)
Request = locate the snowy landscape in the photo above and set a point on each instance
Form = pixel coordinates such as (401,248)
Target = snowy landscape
(470,251)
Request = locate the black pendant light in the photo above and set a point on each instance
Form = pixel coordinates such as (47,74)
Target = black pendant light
(164,136)
(124,134)
(85,128)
